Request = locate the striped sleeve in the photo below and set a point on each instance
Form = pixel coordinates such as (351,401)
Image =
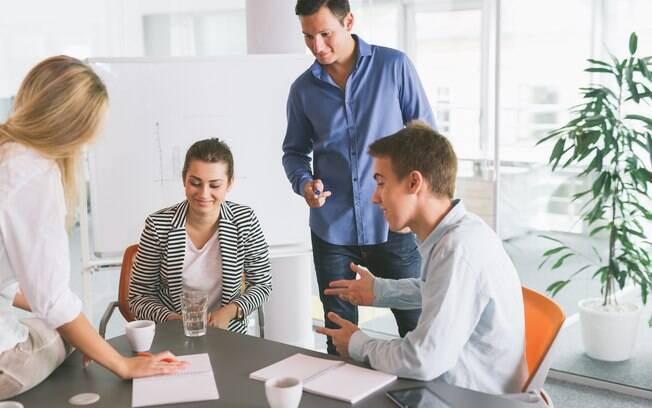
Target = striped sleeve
(144,299)
(257,268)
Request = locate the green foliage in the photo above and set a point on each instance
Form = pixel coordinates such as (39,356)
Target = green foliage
(615,150)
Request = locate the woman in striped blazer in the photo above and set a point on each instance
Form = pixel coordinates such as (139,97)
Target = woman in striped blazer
(204,243)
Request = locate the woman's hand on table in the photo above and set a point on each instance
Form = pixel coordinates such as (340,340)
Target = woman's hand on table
(220,318)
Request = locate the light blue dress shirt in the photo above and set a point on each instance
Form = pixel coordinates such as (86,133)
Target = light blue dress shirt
(471,332)
(382,94)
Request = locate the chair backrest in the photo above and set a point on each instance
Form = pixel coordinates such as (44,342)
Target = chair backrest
(543,321)
(125,280)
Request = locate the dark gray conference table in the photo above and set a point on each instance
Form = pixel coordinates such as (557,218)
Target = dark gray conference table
(233,357)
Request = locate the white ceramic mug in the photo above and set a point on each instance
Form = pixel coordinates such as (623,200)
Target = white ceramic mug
(283,392)
(11,404)
(140,334)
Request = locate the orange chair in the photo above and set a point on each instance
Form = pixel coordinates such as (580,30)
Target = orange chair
(543,321)
(123,295)
(123,291)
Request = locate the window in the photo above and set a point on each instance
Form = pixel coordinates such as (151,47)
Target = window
(378,21)
(195,34)
(446,44)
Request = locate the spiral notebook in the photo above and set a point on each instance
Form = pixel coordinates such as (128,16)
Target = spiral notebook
(195,383)
(329,378)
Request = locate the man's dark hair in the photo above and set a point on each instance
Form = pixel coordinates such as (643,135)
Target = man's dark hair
(212,151)
(421,148)
(339,8)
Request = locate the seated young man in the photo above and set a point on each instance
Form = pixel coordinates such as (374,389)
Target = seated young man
(471,331)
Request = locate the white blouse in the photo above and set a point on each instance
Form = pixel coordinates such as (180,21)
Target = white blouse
(202,269)
(34,253)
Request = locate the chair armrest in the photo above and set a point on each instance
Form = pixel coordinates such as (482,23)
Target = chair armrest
(539,399)
(261,322)
(106,316)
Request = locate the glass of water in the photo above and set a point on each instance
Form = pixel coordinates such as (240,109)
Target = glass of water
(194,304)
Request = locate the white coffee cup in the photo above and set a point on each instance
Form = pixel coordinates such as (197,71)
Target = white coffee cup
(11,404)
(283,392)
(140,334)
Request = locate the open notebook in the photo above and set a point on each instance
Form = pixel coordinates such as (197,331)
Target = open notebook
(329,378)
(195,383)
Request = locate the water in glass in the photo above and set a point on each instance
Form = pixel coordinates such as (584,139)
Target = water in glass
(193,312)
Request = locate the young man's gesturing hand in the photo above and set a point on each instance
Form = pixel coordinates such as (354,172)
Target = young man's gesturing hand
(355,291)
(341,336)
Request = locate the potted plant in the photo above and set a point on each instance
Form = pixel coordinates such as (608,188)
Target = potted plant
(610,138)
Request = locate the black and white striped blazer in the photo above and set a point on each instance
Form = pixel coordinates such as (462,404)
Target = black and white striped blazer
(156,280)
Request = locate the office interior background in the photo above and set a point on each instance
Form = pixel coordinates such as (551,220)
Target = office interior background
(500,75)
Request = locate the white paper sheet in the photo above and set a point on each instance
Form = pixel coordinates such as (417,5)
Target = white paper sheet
(299,366)
(329,378)
(195,383)
(348,383)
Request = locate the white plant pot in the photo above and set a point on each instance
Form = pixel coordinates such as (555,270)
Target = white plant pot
(609,332)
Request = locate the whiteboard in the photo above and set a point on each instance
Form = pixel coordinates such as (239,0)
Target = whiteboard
(158,107)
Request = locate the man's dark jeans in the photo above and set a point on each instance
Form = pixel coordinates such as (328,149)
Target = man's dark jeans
(397,258)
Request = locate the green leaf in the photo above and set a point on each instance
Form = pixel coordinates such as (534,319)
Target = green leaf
(633,40)
(602,271)
(556,287)
(631,85)
(596,164)
(622,279)
(642,66)
(557,150)
(596,212)
(634,232)
(578,271)
(580,195)
(595,251)
(594,120)
(598,229)
(606,190)
(598,62)
(561,260)
(644,119)
(645,174)
(551,238)
(546,138)
(554,250)
(597,185)
(596,69)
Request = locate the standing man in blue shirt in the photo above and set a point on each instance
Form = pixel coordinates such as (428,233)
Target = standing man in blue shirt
(352,95)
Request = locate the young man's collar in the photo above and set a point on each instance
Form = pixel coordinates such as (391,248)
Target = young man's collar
(456,212)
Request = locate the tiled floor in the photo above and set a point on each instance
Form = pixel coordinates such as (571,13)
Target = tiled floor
(566,395)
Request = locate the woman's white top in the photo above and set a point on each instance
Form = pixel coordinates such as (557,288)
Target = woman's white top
(202,269)
(33,243)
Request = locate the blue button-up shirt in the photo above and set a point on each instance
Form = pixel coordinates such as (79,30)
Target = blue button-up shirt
(382,94)
(471,332)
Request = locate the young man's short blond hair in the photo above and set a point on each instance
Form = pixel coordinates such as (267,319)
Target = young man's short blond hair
(421,148)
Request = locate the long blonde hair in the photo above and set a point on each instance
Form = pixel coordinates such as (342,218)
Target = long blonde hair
(58,109)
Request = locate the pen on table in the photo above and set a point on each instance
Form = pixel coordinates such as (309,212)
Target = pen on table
(147,354)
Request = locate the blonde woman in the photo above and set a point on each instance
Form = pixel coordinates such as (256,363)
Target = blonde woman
(57,110)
